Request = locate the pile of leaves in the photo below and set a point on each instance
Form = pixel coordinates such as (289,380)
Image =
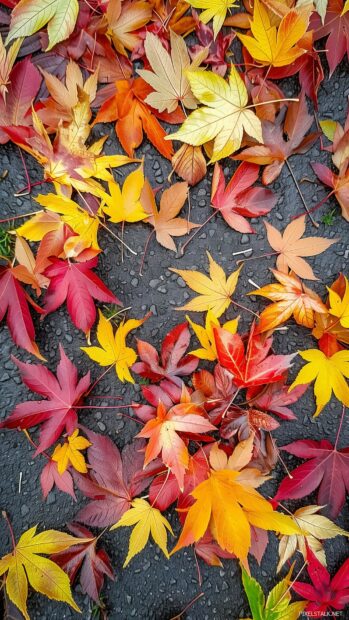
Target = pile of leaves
(208,410)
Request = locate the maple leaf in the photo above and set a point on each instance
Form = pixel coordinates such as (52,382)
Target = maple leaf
(171,364)
(329,374)
(26,563)
(325,594)
(14,304)
(63,395)
(169,77)
(290,247)
(238,200)
(189,163)
(124,18)
(225,116)
(217,390)
(7,60)
(317,528)
(205,335)
(164,219)
(228,505)
(133,117)
(275,150)
(214,292)
(336,29)
(114,480)
(213,9)
(291,298)
(113,349)
(275,397)
(255,366)
(69,453)
(162,433)
(218,47)
(147,520)
(63,98)
(92,564)
(78,285)
(84,223)
(278,604)
(339,306)
(29,16)
(272,46)
(24,86)
(27,270)
(125,205)
(50,477)
(326,469)
(339,184)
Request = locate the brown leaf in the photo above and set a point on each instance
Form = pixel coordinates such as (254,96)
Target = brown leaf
(164,219)
(291,247)
(189,163)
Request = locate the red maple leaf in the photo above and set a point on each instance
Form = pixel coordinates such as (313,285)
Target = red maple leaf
(93,564)
(255,366)
(50,477)
(171,364)
(327,469)
(78,285)
(336,26)
(218,390)
(238,199)
(63,394)
(275,398)
(14,301)
(325,593)
(114,480)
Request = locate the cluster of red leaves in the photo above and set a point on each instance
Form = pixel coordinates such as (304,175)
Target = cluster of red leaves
(206,440)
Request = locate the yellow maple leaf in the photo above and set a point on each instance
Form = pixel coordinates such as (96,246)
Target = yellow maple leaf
(272,46)
(25,563)
(339,306)
(69,453)
(224,117)
(213,9)
(214,291)
(113,349)
(84,224)
(206,337)
(329,374)
(7,60)
(147,520)
(123,205)
(227,504)
(36,227)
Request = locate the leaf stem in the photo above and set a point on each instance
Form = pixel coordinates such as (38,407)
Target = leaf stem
(238,305)
(300,194)
(266,255)
(4,514)
(32,443)
(317,206)
(196,598)
(145,252)
(98,379)
(197,230)
(18,217)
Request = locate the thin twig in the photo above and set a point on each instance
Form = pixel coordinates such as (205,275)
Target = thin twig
(301,195)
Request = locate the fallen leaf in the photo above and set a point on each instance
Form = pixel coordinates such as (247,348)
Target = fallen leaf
(124,19)
(63,396)
(225,116)
(50,477)
(290,248)
(336,29)
(147,520)
(329,373)
(273,46)
(278,604)
(339,306)
(7,60)
(214,292)
(290,298)
(124,205)
(327,469)
(113,349)
(69,453)
(189,163)
(205,335)
(29,16)
(164,219)
(213,9)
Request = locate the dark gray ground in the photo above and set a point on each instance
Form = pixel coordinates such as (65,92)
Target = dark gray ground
(152,587)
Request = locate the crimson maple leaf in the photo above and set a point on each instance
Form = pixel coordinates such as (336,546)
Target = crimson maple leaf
(325,594)
(171,364)
(14,301)
(327,469)
(217,390)
(255,366)
(275,398)
(336,25)
(168,392)
(239,199)
(50,477)
(114,480)
(93,564)
(63,395)
(78,285)
(162,432)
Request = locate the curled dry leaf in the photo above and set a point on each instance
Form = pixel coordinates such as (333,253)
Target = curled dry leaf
(189,163)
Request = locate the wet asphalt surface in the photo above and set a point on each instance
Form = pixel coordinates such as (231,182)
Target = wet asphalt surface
(151,587)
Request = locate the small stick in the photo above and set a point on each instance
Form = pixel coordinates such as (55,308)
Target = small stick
(253,283)
(301,195)
(197,230)
(317,206)
(140,273)
(18,217)
(20,482)
(266,255)
(197,597)
(242,252)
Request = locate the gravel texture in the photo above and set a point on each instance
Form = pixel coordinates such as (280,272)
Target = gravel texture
(151,587)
